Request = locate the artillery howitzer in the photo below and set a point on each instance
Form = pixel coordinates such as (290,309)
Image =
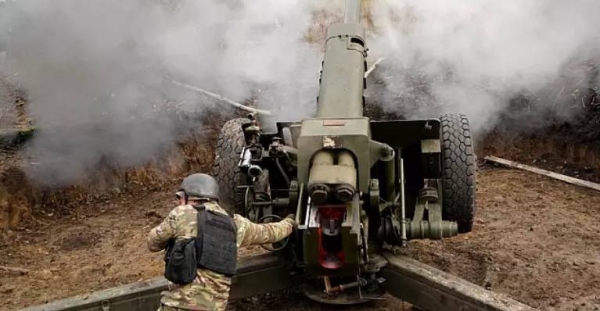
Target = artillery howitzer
(354,184)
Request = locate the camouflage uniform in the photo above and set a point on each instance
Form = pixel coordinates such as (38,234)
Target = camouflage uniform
(210,290)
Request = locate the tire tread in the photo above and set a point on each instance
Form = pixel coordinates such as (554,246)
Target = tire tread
(230,144)
(459,171)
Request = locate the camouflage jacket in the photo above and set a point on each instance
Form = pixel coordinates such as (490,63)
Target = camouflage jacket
(210,290)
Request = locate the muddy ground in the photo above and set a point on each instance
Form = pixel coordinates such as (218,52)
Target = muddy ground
(535,239)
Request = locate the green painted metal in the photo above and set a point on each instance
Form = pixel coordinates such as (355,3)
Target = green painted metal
(352,13)
(339,134)
(145,295)
(138,296)
(403,133)
(419,284)
(432,289)
(435,228)
(344,66)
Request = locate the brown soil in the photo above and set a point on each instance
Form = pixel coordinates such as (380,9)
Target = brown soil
(536,239)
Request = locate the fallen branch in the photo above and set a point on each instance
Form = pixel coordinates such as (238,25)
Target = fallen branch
(567,179)
(224,99)
(15,270)
(373,67)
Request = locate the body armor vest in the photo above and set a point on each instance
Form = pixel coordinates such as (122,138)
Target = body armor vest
(216,242)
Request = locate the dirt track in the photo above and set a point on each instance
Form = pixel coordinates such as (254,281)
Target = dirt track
(536,239)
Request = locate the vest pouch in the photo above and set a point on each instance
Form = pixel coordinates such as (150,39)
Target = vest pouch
(181,263)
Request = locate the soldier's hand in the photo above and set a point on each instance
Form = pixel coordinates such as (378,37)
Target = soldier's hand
(293,218)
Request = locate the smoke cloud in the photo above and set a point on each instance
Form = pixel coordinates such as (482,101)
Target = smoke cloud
(98,73)
(473,57)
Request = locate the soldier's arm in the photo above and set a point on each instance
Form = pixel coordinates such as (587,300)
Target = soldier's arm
(254,234)
(160,235)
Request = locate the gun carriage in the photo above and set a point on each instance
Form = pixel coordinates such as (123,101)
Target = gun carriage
(354,184)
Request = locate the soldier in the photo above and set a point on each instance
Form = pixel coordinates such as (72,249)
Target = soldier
(207,287)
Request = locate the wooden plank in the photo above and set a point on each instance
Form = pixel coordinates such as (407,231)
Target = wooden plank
(567,179)
(433,289)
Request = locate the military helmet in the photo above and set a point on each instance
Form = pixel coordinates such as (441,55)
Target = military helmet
(200,185)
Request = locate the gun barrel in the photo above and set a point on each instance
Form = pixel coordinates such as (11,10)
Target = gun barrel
(352,14)
(342,78)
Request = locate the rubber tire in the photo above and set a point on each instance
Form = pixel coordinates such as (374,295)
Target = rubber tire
(459,171)
(230,144)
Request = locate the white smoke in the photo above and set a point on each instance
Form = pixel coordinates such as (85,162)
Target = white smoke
(109,64)
(474,56)
(97,72)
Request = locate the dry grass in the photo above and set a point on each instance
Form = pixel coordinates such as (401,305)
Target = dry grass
(548,152)
(16,197)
